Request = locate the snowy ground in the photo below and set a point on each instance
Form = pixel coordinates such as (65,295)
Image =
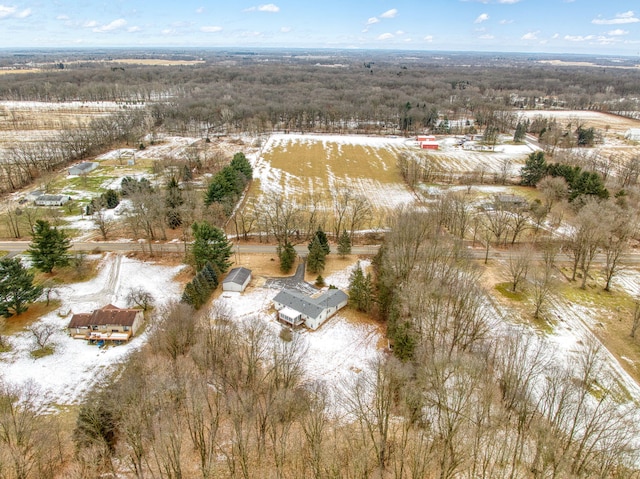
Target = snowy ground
(336,351)
(65,376)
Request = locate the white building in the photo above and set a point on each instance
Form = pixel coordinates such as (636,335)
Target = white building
(83,168)
(237,280)
(51,200)
(295,308)
(633,134)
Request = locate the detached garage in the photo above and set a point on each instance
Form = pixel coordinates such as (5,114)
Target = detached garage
(237,280)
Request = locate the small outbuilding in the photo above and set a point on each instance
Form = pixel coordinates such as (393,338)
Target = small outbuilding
(108,323)
(295,308)
(83,168)
(633,134)
(237,280)
(51,200)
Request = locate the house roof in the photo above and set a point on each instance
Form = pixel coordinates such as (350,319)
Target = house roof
(307,305)
(107,315)
(50,198)
(237,275)
(84,166)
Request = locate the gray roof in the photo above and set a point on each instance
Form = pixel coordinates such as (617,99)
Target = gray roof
(311,307)
(84,166)
(51,197)
(237,275)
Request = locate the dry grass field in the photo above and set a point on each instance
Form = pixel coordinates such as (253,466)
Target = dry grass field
(304,166)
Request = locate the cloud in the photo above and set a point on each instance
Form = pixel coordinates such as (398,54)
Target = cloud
(269,8)
(390,13)
(211,29)
(385,36)
(12,12)
(62,17)
(200,10)
(579,38)
(530,35)
(555,36)
(109,27)
(285,29)
(428,38)
(482,18)
(372,21)
(90,24)
(167,31)
(486,36)
(23,14)
(617,32)
(619,19)
(134,29)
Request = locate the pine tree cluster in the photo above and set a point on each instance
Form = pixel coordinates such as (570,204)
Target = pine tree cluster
(227,185)
(199,289)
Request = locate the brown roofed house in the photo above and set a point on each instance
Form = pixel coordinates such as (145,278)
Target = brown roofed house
(108,323)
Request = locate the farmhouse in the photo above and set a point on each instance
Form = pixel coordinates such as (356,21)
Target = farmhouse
(295,308)
(51,200)
(237,280)
(108,323)
(83,168)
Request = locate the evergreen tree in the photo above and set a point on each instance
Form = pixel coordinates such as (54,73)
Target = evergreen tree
(287,255)
(521,131)
(190,295)
(173,201)
(534,169)
(210,275)
(242,165)
(344,244)
(16,287)
(202,289)
(49,247)
(210,245)
(321,236)
(316,258)
(360,290)
(110,199)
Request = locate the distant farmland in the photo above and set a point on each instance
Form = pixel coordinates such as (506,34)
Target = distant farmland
(300,167)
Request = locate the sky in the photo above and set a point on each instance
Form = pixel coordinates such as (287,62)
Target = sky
(554,26)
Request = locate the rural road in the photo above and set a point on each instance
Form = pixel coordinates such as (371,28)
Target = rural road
(126,247)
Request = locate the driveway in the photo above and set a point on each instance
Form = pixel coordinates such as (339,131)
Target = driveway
(295,282)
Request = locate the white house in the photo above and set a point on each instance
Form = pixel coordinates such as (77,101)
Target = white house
(633,134)
(295,308)
(83,168)
(237,280)
(51,200)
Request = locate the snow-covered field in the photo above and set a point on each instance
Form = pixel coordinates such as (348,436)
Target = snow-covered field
(65,376)
(382,194)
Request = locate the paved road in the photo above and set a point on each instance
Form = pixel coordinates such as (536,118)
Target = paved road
(632,258)
(125,247)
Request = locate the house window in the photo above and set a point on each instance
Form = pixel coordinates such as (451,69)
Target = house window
(126,328)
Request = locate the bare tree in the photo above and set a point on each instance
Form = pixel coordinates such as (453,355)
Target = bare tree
(42,333)
(519,262)
(140,297)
